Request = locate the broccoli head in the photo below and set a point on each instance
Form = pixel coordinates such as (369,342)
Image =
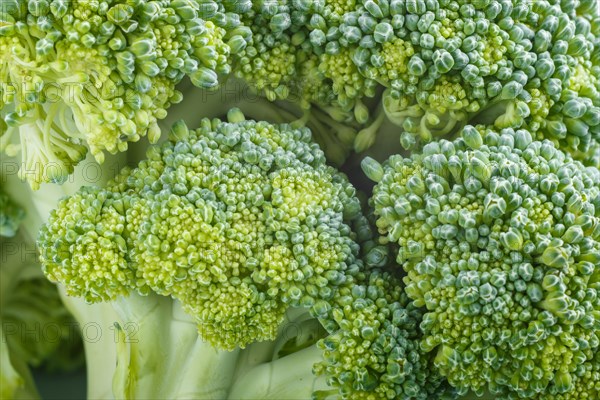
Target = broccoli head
(499,237)
(238,220)
(446,63)
(101,73)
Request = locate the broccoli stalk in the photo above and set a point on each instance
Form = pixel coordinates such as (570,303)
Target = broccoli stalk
(283,368)
(15,377)
(95,320)
(160,354)
(288,377)
(99,344)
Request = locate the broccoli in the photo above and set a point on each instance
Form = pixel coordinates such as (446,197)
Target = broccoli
(586,382)
(530,64)
(101,73)
(334,133)
(372,351)
(499,237)
(280,64)
(234,261)
(237,220)
(241,224)
(441,64)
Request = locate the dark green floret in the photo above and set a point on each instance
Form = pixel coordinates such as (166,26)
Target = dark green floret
(499,237)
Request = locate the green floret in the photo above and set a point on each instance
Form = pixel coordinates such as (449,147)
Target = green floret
(372,351)
(269,62)
(11,216)
(433,66)
(444,63)
(279,64)
(100,73)
(238,220)
(586,383)
(499,237)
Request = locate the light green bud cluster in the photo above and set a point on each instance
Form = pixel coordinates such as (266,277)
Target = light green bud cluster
(374,352)
(499,236)
(238,220)
(100,73)
(270,60)
(586,383)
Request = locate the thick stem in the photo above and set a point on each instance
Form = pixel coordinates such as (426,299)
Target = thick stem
(96,322)
(160,355)
(289,377)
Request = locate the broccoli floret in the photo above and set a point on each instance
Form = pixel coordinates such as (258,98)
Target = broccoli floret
(374,352)
(371,352)
(101,73)
(269,62)
(586,383)
(279,64)
(499,237)
(237,220)
(447,63)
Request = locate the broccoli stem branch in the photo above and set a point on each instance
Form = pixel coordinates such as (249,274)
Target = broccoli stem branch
(289,377)
(160,355)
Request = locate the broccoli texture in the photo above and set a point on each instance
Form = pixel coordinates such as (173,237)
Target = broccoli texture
(440,64)
(234,261)
(371,351)
(586,382)
(499,237)
(374,352)
(101,73)
(237,220)
(244,225)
